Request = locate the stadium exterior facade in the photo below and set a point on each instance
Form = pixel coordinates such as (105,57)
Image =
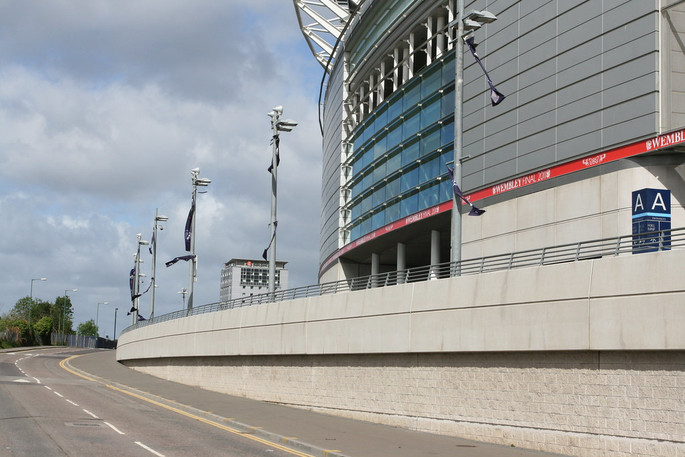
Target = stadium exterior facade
(594,110)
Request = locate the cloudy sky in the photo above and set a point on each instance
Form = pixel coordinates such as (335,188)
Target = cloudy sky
(106,105)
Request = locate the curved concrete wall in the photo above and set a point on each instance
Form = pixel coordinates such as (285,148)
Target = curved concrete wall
(620,303)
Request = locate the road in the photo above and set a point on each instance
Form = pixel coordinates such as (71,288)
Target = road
(71,402)
(47,411)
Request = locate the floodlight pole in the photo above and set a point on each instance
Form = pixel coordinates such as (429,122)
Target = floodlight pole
(465,25)
(458,132)
(276,126)
(202,182)
(154,242)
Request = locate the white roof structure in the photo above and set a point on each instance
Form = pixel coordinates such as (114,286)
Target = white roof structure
(329,20)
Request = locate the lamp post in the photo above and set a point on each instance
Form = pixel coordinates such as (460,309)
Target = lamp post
(136,284)
(97,315)
(64,314)
(197,182)
(183,293)
(114,335)
(465,25)
(31,298)
(277,125)
(153,249)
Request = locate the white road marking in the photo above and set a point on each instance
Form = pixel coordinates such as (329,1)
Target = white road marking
(69,401)
(58,394)
(91,414)
(37,380)
(114,428)
(148,449)
(48,387)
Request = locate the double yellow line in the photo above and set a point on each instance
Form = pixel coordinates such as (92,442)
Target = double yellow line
(65,365)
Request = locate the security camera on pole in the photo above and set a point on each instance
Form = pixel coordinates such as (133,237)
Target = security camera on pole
(190,232)
(277,125)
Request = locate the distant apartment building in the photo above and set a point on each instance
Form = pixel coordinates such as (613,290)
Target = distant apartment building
(245,277)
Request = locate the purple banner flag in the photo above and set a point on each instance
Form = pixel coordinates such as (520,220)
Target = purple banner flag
(270,242)
(189,226)
(276,139)
(458,193)
(176,259)
(496,96)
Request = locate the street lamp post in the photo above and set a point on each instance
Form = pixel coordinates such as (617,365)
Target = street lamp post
(277,125)
(465,24)
(114,334)
(64,314)
(136,284)
(97,315)
(197,182)
(31,299)
(153,248)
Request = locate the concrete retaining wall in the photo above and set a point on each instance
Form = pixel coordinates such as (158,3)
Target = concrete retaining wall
(583,358)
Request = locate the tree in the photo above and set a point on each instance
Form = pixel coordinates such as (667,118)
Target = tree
(88,328)
(61,314)
(42,329)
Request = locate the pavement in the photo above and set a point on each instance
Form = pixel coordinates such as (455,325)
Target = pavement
(319,435)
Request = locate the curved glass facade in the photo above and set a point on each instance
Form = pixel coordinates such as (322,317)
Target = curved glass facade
(400,152)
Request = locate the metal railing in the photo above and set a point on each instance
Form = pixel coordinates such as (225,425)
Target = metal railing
(572,252)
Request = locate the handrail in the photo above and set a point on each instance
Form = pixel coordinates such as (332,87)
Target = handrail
(573,252)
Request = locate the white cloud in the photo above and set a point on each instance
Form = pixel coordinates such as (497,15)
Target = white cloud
(105,107)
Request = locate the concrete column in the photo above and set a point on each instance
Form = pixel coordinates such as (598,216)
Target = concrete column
(401,263)
(435,253)
(440,38)
(375,268)
(430,40)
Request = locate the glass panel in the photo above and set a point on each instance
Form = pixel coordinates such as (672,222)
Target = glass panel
(379,149)
(395,108)
(367,181)
(429,170)
(381,119)
(410,154)
(448,70)
(412,96)
(394,136)
(392,188)
(394,163)
(392,213)
(356,211)
(430,142)
(430,114)
(409,179)
(366,204)
(445,190)
(429,197)
(378,220)
(409,205)
(355,232)
(356,188)
(431,82)
(366,226)
(379,172)
(447,102)
(411,125)
(378,196)
(447,133)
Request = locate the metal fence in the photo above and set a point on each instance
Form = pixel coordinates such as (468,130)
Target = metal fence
(572,252)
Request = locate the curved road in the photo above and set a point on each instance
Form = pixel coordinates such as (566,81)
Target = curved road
(76,402)
(46,410)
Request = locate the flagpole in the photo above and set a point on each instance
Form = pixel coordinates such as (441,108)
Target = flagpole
(455,257)
(158,219)
(203,182)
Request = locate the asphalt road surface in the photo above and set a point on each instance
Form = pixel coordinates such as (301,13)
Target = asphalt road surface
(71,402)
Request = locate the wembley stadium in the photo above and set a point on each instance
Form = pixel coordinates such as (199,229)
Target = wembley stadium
(594,110)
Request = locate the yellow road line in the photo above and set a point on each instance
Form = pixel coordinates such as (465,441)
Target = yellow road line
(64,362)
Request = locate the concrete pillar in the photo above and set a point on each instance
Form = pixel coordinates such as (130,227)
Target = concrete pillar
(375,268)
(441,38)
(401,263)
(435,253)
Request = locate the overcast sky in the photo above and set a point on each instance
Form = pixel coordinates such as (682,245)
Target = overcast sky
(106,105)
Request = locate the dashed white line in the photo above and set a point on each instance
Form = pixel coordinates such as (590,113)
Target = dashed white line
(37,380)
(69,401)
(113,428)
(48,387)
(91,414)
(149,449)
(58,394)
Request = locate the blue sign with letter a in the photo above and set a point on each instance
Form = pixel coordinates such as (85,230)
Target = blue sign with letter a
(651,216)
